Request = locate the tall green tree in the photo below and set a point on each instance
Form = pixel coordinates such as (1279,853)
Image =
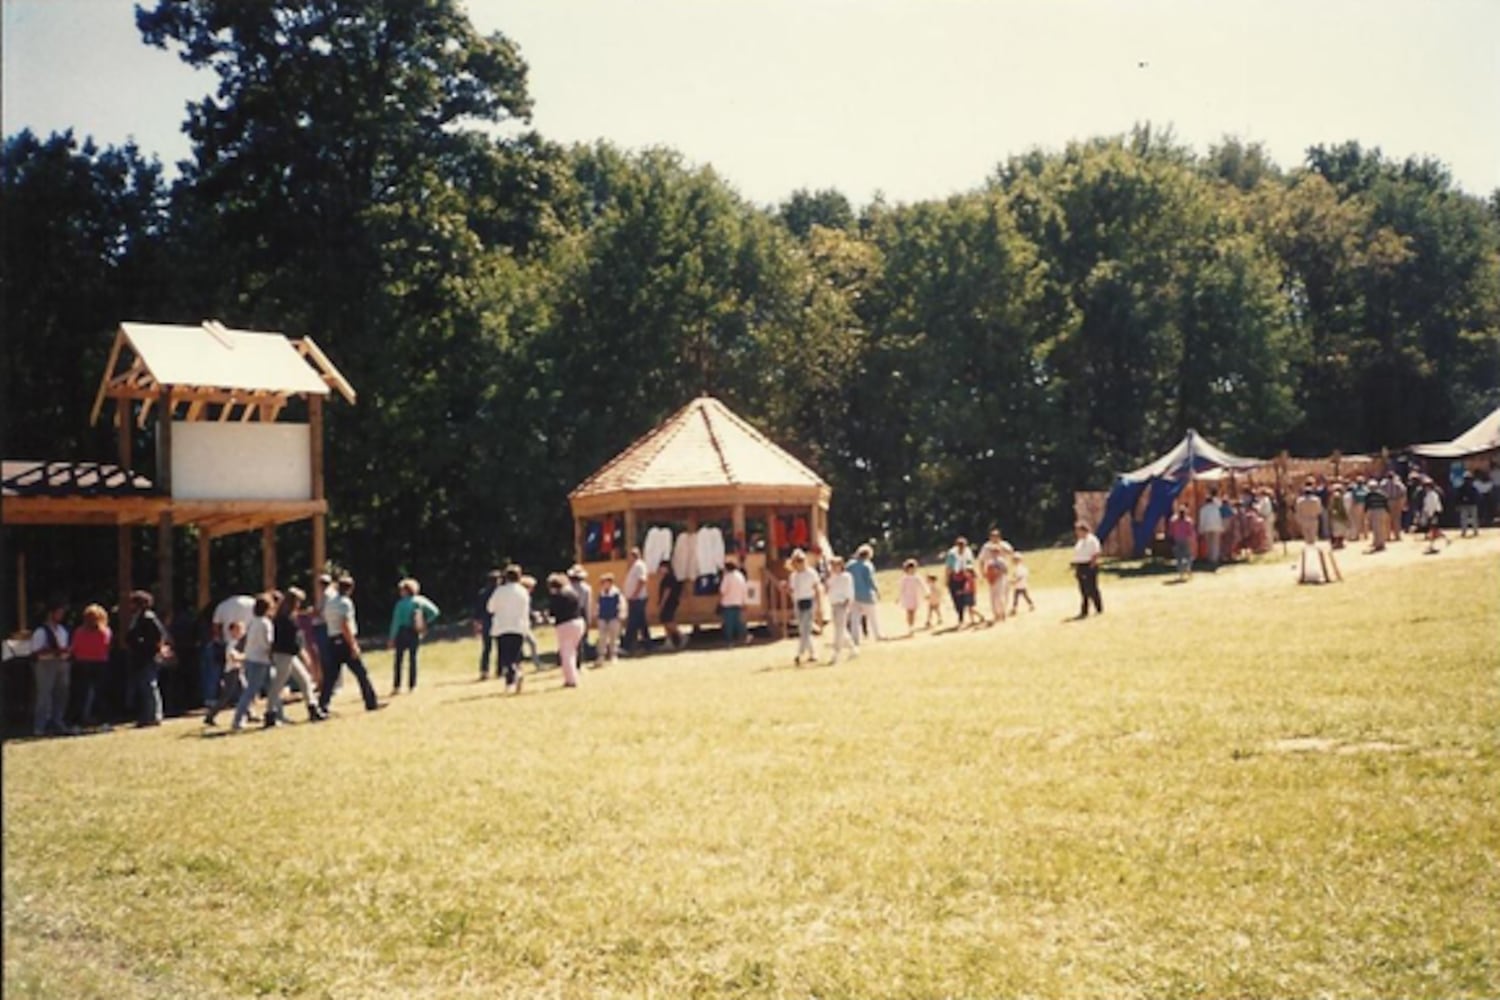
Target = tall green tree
(85,247)
(344,164)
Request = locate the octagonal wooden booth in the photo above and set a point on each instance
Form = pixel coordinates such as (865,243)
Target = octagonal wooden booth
(703,469)
(239,441)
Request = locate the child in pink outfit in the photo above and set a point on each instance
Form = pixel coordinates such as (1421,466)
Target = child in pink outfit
(911,593)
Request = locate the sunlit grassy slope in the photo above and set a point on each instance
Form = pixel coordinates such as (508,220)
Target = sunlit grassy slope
(1234,788)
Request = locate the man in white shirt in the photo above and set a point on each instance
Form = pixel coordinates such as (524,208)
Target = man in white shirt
(1086,552)
(994,563)
(1211,526)
(637,632)
(50,669)
(343,647)
(510,620)
(734,591)
(578,577)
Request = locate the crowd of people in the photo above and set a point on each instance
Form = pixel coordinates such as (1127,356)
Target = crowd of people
(260,646)
(254,648)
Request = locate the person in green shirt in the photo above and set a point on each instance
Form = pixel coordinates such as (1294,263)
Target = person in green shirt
(409,622)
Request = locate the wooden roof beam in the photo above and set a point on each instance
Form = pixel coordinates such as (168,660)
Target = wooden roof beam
(114,358)
(309,349)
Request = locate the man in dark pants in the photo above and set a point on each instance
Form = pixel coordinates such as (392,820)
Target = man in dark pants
(1086,567)
(343,647)
(482,621)
(637,631)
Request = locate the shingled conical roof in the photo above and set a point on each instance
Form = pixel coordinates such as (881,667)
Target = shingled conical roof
(703,446)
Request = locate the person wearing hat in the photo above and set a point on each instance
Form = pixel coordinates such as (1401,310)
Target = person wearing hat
(579,578)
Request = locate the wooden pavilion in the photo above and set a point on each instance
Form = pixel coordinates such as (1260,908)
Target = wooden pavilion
(225,463)
(704,466)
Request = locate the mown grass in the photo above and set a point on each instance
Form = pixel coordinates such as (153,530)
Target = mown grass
(1237,788)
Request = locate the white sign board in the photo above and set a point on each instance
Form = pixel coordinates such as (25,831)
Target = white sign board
(235,461)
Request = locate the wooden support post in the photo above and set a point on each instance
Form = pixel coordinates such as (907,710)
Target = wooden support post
(205,569)
(21,608)
(124,430)
(739,544)
(631,538)
(268,557)
(578,539)
(319,521)
(164,445)
(166,597)
(126,571)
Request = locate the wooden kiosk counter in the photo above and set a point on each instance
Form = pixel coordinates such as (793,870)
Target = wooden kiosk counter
(703,467)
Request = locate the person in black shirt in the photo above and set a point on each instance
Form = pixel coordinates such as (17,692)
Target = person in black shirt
(567,616)
(669,595)
(145,641)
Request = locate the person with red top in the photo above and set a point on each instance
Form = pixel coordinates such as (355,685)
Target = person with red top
(91,659)
(1184,541)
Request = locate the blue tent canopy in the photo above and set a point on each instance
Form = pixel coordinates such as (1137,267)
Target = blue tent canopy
(1162,482)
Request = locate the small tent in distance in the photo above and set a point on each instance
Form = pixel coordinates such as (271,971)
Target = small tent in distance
(1162,482)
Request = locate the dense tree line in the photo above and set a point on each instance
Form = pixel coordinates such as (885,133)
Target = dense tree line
(513,311)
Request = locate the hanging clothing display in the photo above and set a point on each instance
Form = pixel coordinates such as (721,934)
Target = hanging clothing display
(601,538)
(685,556)
(658,547)
(710,550)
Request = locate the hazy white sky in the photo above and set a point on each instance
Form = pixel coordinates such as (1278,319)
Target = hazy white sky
(914,98)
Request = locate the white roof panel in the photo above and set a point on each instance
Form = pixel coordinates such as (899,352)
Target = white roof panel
(213,356)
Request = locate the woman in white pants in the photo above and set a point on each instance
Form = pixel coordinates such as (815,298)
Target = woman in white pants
(841,602)
(804,585)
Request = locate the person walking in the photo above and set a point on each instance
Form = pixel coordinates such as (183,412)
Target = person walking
(910,593)
(1086,551)
(343,646)
(287,649)
(410,619)
(866,594)
(567,617)
(483,621)
(959,567)
(510,622)
(804,584)
(841,604)
(994,565)
(259,635)
(578,579)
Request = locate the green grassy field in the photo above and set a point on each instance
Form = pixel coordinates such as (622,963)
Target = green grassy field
(1233,788)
